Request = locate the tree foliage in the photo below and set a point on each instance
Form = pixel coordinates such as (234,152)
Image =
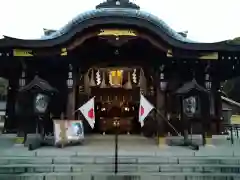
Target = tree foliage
(3,86)
(232,88)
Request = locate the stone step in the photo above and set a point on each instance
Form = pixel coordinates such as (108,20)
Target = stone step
(121,160)
(119,176)
(131,168)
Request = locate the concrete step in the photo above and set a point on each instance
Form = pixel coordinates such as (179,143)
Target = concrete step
(128,168)
(120,176)
(121,160)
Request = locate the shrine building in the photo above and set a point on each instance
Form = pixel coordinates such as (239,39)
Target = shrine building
(115,52)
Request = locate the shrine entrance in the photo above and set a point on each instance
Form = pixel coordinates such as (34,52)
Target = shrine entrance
(115,69)
(117,93)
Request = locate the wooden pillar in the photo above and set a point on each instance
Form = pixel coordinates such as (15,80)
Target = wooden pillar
(161,104)
(10,121)
(205,108)
(217,106)
(71,94)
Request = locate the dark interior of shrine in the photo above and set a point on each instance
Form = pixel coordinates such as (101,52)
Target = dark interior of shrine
(111,102)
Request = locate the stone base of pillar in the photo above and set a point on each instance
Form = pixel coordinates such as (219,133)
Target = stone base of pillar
(162,141)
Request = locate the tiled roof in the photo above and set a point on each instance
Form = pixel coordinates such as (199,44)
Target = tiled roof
(123,12)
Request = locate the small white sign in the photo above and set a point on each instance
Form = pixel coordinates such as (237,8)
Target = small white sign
(67,131)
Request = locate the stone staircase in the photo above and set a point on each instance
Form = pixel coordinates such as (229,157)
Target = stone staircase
(44,168)
(136,162)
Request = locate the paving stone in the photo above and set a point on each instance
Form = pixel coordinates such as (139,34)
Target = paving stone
(41,169)
(198,169)
(97,152)
(32,178)
(127,168)
(5,170)
(149,177)
(82,160)
(22,177)
(211,169)
(96,168)
(56,152)
(229,161)
(61,160)
(19,170)
(215,151)
(64,168)
(122,160)
(188,169)
(159,160)
(9,178)
(161,177)
(175,152)
(148,168)
(230,169)
(99,177)
(58,177)
(82,177)
(17,151)
(30,160)
(77,168)
(236,152)
(3,161)
(170,169)
(196,160)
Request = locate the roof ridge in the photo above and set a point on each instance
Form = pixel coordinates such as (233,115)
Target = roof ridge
(118,4)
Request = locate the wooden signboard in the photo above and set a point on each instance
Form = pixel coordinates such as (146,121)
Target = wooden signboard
(68,131)
(235,119)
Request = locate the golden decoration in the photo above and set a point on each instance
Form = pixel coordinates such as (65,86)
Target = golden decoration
(116,77)
(211,56)
(169,53)
(22,53)
(116,32)
(63,52)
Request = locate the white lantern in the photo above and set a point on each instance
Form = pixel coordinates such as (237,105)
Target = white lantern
(22,80)
(70,80)
(163,82)
(208,83)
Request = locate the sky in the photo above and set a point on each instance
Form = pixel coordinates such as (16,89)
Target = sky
(205,20)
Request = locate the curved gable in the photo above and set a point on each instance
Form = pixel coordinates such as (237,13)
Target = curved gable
(136,15)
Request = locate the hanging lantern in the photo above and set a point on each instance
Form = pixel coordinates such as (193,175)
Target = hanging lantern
(208,83)
(70,77)
(22,80)
(163,82)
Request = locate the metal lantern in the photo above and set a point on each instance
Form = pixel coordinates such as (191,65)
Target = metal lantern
(190,106)
(41,103)
(69,80)
(163,82)
(208,83)
(70,77)
(22,80)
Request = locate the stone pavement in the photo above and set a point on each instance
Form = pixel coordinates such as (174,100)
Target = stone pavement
(128,146)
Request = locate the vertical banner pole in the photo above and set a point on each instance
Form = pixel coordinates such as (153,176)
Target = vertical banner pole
(116,123)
